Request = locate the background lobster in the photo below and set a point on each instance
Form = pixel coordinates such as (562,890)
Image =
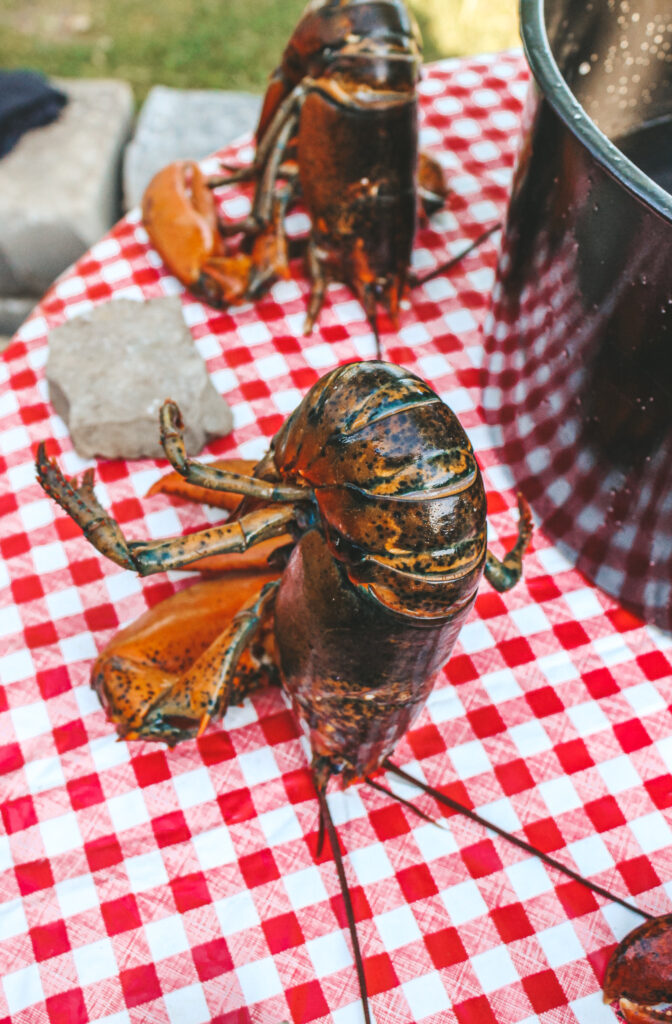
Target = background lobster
(374,485)
(338,128)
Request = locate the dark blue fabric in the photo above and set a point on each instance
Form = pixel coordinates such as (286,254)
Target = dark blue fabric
(26,101)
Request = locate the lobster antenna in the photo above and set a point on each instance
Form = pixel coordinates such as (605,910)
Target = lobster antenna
(443,268)
(326,819)
(320,833)
(521,843)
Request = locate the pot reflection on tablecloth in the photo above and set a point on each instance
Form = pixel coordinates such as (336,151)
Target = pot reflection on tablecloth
(579,344)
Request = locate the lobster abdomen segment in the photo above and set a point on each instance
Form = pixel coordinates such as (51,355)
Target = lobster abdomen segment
(357,674)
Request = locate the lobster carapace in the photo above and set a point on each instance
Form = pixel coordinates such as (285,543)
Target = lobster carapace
(639,973)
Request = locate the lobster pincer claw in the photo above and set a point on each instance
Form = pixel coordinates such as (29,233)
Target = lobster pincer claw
(81,504)
(639,973)
(180,217)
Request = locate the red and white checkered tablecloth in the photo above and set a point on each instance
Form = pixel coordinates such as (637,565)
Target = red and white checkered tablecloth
(144,884)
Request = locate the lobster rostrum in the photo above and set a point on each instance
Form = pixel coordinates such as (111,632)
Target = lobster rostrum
(373,496)
(338,129)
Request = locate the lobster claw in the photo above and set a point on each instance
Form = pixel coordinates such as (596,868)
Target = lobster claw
(639,973)
(180,217)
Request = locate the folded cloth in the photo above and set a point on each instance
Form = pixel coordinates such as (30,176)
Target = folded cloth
(26,101)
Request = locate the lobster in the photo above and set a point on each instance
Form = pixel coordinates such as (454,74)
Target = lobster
(348,566)
(639,973)
(372,503)
(338,128)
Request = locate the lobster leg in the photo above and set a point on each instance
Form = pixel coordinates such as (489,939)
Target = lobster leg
(432,189)
(147,557)
(283,111)
(318,286)
(247,274)
(203,475)
(505,574)
(266,166)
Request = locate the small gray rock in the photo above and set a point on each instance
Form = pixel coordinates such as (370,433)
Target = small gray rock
(183,124)
(110,370)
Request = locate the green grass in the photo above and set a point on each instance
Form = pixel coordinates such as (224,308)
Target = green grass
(223,44)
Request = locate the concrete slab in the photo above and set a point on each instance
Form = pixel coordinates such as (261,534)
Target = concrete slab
(114,413)
(183,124)
(60,186)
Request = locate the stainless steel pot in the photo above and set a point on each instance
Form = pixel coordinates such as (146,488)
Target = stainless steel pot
(579,341)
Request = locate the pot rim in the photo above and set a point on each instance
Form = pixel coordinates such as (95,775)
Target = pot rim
(560,97)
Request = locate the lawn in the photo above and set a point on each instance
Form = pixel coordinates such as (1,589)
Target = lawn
(224,44)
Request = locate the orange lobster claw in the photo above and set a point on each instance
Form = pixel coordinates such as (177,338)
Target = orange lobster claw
(163,657)
(178,211)
(639,973)
(180,217)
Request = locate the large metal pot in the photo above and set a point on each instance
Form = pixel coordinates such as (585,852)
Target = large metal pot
(579,341)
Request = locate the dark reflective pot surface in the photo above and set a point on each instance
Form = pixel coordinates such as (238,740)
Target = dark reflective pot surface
(579,341)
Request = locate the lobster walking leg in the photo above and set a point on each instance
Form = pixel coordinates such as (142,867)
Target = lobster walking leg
(210,477)
(147,557)
(266,166)
(505,574)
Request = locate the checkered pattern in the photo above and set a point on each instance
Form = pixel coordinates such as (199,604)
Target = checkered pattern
(546,382)
(183,886)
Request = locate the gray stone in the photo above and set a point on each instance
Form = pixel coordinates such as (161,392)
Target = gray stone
(60,186)
(13,311)
(110,370)
(183,124)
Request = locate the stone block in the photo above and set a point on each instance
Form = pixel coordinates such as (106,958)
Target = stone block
(110,370)
(60,186)
(183,124)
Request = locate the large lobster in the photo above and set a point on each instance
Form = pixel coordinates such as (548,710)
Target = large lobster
(339,129)
(365,527)
(374,496)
